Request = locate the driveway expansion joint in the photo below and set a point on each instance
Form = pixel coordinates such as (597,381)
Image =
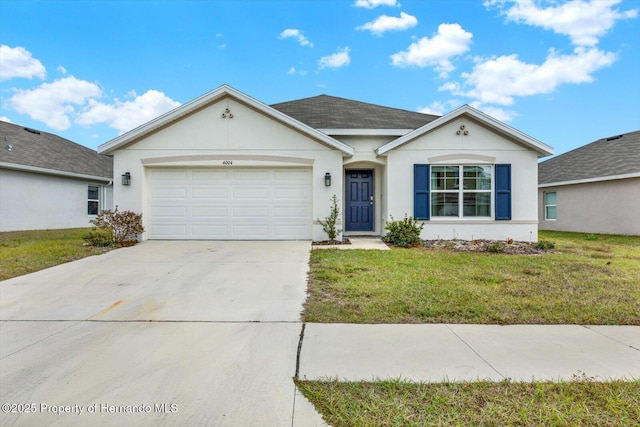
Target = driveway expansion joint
(295,377)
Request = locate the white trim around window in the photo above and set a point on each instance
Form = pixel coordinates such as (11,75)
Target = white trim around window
(93,200)
(550,206)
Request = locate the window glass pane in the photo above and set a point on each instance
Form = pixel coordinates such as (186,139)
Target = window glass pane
(477,177)
(93,192)
(550,198)
(550,212)
(477,204)
(444,204)
(437,178)
(92,208)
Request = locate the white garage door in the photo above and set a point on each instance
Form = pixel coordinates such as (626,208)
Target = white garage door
(230,204)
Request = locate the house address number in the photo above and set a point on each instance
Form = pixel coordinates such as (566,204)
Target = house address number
(227,162)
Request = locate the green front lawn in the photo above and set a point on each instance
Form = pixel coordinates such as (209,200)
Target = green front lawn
(587,280)
(23,252)
(582,402)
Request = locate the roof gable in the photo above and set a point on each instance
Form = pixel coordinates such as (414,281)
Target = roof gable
(209,98)
(330,112)
(466,110)
(606,157)
(30,149)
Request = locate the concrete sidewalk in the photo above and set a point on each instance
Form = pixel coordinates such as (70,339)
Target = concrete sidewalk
(441,352)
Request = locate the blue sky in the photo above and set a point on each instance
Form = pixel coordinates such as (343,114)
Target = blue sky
(564,72)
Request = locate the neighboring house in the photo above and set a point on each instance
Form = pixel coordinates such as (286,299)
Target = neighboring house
(226,166)
(594,188)
(49,182)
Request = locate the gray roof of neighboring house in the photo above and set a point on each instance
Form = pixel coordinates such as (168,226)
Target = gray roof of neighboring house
(38,149)
(330,112)
(614,155)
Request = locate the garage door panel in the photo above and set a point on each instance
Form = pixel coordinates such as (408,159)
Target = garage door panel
(172,176)
(168,231)
(208,231)
(247,212)
(215,213)
(169,193)
(170,212)
(209,193)
(251,193)
(230,204)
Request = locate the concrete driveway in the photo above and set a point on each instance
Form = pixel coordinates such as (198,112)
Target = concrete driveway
(162,333)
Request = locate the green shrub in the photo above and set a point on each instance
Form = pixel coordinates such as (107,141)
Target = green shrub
(496,247)
(125,226)
(329,223)
(101,237)
(404,233)
(545,245)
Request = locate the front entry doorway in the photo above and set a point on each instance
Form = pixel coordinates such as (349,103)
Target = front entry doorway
(359,204)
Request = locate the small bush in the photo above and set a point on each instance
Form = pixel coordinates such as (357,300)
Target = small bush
(125,226)
(591,237)
(496,247)
(404,233)
(545,245)
(101,237)
(329,223)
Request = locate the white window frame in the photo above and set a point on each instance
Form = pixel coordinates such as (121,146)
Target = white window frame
(96,200)
(544,202)
(460,191)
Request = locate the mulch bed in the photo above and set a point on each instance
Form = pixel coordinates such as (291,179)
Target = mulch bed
(332,242)
(495,246)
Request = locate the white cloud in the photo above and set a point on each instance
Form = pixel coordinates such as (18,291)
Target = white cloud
(390,23)
(5,119)
(499,80)
(451,40)
(296,34)
(127,115)
(495,112)
(439,108)
(18,62)
(53,103)
(336,60)
(370,4)
(61,70)
(293,71)
(585,22)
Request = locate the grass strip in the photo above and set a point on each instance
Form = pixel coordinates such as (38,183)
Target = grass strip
(582,402)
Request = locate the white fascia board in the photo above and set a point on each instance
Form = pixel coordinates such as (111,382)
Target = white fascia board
(588,180)
(45,171)
(540,147)
(366,132)
(208,98)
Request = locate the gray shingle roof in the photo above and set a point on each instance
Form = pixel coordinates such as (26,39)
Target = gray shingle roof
(330,112)
(617,155)
(34,148)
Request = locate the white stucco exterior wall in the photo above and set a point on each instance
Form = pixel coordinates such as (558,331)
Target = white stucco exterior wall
(249,139)
(607,207)
(482,146)
(32,201)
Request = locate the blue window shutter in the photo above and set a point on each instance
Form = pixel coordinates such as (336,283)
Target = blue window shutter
(503,192)
(421,192)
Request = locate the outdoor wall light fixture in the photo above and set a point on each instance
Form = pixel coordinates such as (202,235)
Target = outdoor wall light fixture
(126,178)
(327,179)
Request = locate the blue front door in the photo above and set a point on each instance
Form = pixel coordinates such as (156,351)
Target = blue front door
(359,200)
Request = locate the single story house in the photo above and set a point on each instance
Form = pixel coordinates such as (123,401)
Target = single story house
(48,182)
(227,166)
(594,188)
